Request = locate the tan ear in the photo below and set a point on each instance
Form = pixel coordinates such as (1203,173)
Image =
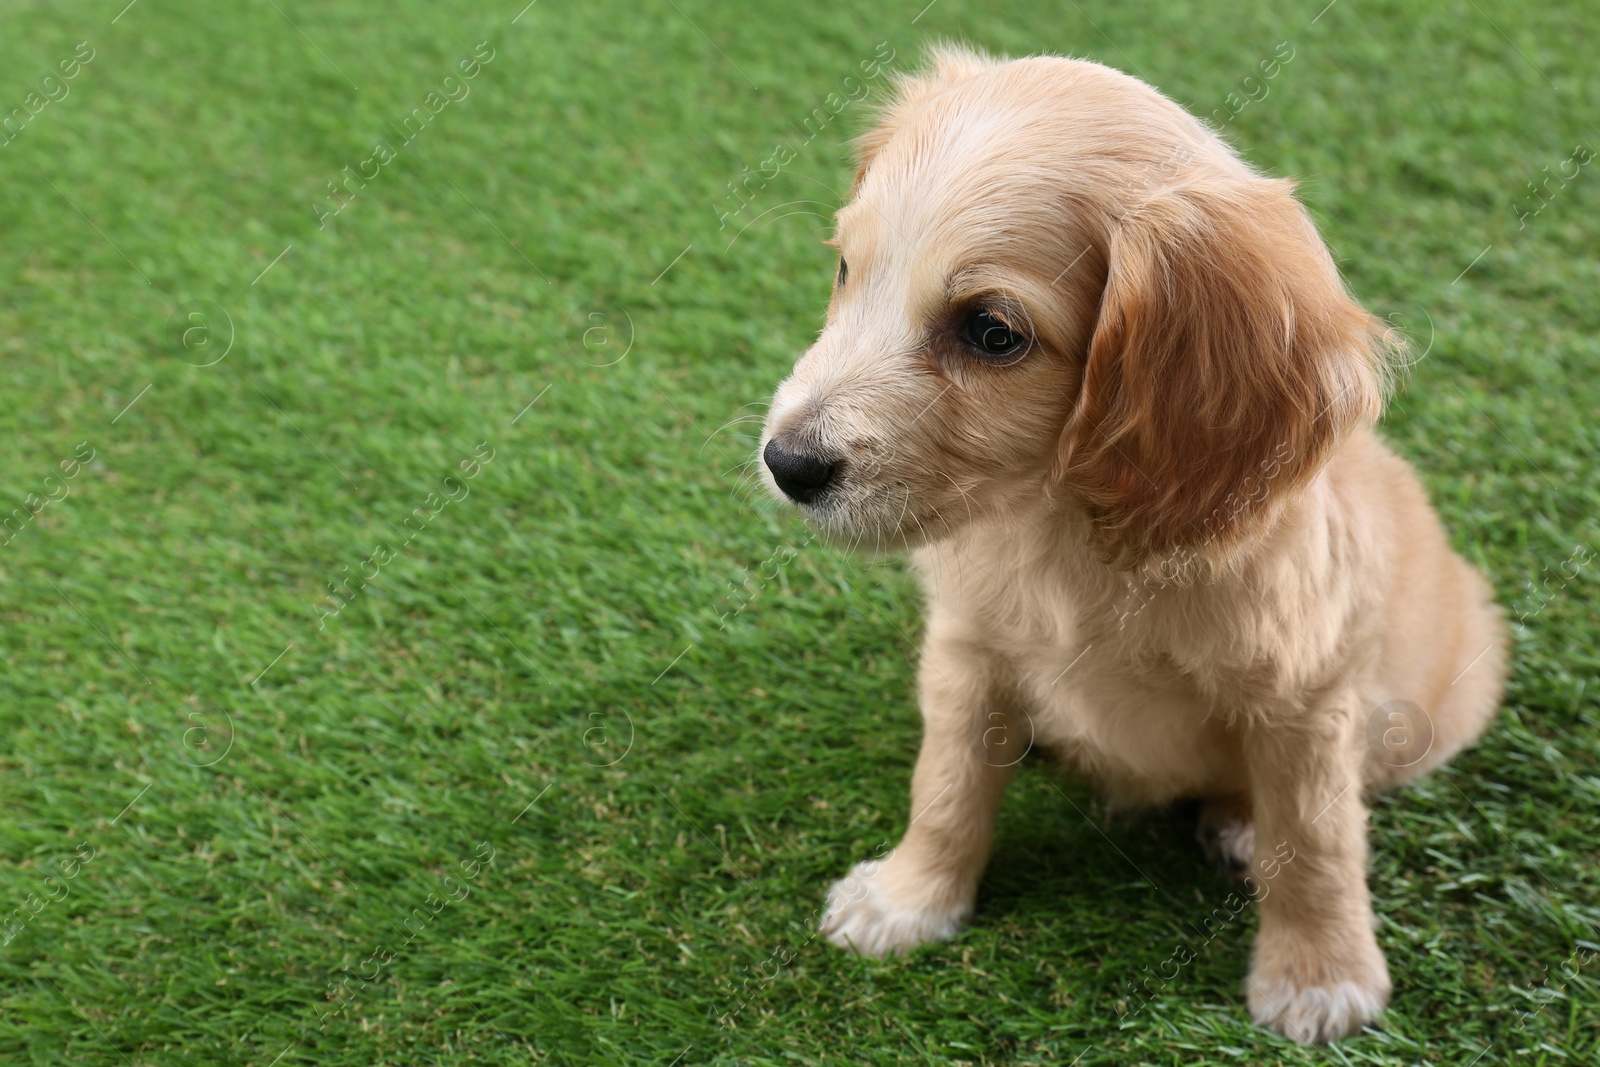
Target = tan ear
(946,64)
(1227,363)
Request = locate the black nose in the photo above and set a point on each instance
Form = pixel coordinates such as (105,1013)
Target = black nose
(801,475)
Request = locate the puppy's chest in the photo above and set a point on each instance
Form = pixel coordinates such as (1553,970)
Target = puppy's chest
(1127,717)
(1104,697)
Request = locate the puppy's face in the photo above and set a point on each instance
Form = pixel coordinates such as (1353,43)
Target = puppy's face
(948,366)
(1052,281)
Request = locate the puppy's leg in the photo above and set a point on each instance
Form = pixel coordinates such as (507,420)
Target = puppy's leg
(923,889)
(1317,973)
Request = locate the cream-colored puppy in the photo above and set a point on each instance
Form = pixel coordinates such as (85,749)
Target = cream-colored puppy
(1102,378)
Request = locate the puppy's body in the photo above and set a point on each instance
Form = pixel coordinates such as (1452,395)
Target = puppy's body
(1144,686)
(1103,379)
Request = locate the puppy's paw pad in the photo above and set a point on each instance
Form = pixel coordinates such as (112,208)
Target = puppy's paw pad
(1316,1014)
(864,918)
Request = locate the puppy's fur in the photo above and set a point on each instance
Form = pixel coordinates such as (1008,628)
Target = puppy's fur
(1160,539)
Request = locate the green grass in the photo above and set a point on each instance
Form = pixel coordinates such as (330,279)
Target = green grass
(669,718)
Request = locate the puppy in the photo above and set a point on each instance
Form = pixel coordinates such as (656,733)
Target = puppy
(1102,379)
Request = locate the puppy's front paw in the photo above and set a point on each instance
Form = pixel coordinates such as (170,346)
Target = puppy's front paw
(1312,997)
(868,916)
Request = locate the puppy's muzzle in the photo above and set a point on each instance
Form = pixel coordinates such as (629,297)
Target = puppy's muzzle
(803,476)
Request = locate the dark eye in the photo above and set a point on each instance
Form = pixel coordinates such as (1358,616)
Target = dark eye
(986,332)
(844,269)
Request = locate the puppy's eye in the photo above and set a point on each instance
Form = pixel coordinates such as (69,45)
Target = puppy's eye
(990,335)
(844,269)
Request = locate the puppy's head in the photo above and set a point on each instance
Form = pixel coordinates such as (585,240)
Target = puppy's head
(1054,284)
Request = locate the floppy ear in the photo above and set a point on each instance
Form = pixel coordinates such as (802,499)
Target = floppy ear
(946,65)
(1226,365)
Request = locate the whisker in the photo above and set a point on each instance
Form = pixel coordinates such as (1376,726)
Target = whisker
(731,422)
(741,469)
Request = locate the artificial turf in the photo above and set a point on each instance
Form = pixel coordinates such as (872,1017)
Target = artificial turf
(556,768)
